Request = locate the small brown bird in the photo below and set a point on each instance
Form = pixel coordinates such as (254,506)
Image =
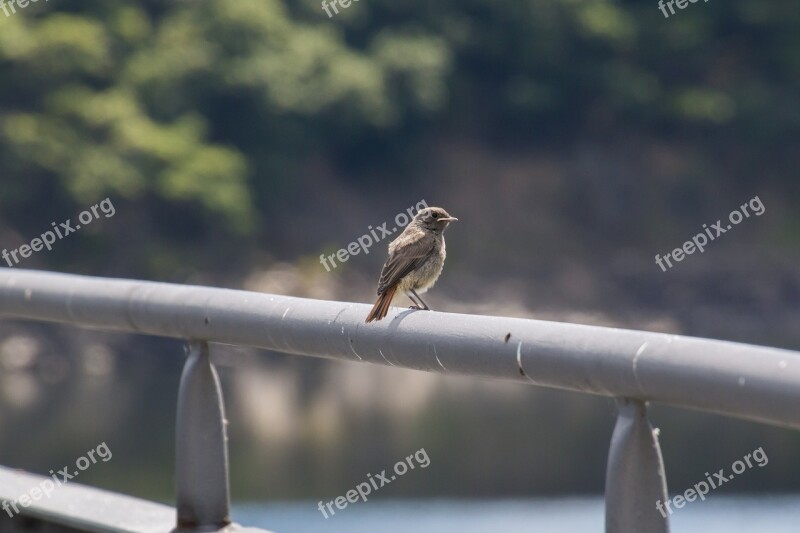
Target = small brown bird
(416,259)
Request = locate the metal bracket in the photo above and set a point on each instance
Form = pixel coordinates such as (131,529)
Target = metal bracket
(201,442)
(635,477)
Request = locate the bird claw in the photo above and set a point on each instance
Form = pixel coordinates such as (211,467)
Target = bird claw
(415,307)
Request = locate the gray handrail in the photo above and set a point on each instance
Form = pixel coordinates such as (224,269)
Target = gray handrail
(738,380)
(761,384)
(76,507)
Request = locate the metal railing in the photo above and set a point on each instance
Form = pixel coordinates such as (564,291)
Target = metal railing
(748,382)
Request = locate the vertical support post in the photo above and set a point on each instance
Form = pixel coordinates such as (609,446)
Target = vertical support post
(635,477)
(201,455)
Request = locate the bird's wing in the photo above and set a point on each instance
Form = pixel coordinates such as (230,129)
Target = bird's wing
(404,259)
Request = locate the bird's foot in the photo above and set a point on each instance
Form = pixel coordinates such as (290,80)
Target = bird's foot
(415,307)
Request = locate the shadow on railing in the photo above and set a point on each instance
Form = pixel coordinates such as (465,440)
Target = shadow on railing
(749,382)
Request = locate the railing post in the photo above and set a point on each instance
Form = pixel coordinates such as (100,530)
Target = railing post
(201,455)
(635,478)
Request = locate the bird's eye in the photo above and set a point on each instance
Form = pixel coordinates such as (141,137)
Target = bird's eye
(435,215)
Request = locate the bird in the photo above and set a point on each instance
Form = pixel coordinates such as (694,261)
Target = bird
(416,259)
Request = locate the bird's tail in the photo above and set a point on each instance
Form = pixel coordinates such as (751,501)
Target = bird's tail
(381,306)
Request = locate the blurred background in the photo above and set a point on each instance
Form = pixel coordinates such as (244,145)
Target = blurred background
(239,140)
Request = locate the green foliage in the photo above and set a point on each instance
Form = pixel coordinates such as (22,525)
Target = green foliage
(221,105)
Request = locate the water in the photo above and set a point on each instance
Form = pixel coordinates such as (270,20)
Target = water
(745,514)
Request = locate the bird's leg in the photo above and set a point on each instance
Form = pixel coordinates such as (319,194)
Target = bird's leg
(424,305)
(416,303)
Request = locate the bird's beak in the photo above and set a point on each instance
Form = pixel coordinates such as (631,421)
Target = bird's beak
(448,219)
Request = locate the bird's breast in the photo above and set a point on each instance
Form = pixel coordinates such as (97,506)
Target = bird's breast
(424,276)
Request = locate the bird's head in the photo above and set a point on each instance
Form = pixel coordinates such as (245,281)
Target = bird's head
(434,218)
